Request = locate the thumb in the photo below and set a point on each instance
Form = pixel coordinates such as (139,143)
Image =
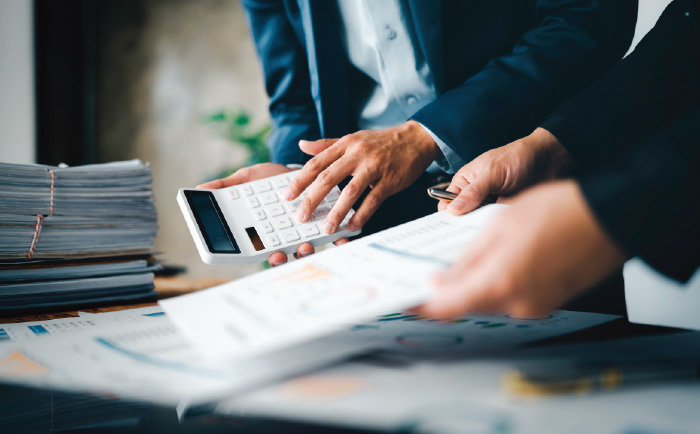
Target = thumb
(317,146)
(471,195)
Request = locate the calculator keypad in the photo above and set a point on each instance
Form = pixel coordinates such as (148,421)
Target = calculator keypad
(276,221)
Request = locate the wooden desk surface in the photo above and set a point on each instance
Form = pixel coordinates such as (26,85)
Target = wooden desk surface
(166,286)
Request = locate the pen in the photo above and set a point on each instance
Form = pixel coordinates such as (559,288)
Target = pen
(440,192)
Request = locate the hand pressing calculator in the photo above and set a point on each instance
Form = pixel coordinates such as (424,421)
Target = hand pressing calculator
(245,223)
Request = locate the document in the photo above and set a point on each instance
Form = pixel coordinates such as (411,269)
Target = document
(433,393)
(384,272)
(75,236)
(138,353)
(17,332)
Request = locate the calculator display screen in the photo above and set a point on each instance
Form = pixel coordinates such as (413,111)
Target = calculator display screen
(211,222)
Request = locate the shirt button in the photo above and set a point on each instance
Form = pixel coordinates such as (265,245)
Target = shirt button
(389,33)
(410,100)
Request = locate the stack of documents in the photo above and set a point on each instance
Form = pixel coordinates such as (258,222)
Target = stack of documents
(75,235)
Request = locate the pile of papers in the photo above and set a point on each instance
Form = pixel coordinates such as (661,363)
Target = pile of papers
(75,235)
(139,354)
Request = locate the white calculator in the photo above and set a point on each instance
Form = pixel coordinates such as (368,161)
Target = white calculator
(244,223)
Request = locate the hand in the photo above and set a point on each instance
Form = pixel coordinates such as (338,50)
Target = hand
(507,170)
(387,161)
(259,171)
(533,257)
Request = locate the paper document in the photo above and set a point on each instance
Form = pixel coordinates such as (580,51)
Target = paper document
(386,392)
(17,332)
(314,296)
(139,354)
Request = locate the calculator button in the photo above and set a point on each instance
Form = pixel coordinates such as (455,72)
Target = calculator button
(280,182)
(321,212)
(234,193)
(344,224)
(309,230)
(260,214)
(273,241)
(247,190)
(263,186)
(254,202)
(275,210)
(266,228)
(289,235)
(269,198)
(282,222)
(292,205)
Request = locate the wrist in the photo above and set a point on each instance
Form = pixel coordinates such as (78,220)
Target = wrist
(552,156)
(423,139)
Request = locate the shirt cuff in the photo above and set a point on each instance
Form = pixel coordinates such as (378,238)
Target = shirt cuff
(450,162)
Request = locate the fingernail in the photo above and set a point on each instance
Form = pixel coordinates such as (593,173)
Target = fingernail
(328,228)
(457,205)
(287,194)
(352,227)
(302,254)
(301,215)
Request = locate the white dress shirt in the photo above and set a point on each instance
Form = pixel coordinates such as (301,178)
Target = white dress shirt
(381,43)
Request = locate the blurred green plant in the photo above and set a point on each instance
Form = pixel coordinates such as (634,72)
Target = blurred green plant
(235,126)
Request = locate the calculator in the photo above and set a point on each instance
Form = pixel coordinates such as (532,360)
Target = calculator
(245,223)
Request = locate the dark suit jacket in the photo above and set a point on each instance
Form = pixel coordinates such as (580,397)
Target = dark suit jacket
(635,135)
(499,66)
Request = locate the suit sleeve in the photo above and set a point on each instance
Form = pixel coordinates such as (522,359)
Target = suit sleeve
(633,135)
(656,83)
(276,31)
(574,43)
(649,203)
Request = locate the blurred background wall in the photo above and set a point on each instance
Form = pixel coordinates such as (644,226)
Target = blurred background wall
(16,82)
(163,65)
(121,79)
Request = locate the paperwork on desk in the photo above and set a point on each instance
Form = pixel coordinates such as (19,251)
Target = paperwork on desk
(138,353)
(339,303)
(384,272)
(75,235)
(442,391)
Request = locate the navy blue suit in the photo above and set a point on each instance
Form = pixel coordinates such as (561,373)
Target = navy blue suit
(499,66)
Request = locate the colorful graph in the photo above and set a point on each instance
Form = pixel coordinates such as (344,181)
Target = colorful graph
(307,273)
(17,364)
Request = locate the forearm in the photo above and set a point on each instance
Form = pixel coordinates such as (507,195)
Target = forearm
(651,86)
(649,202)
(275,29)
(513,93)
